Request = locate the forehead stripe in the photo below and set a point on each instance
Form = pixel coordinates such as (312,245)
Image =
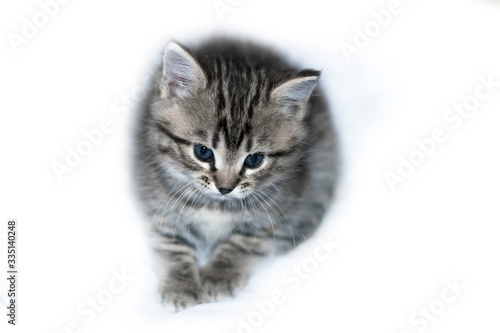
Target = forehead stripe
(249,145)
(215,141)
(220,97)
(174,138)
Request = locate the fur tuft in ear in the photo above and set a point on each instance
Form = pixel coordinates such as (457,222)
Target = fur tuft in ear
(182,73)
(293,95)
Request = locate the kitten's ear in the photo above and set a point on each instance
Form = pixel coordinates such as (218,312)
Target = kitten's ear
(181,72)
(293,95)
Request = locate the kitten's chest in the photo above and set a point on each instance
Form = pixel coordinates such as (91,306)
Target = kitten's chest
(213,224)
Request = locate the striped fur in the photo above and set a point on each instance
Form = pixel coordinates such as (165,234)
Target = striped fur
(236,99)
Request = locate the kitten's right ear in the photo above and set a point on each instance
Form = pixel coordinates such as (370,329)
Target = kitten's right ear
(181,72)
(293,95)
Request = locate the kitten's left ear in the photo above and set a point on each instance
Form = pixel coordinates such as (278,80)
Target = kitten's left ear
(181,72)
(293,95)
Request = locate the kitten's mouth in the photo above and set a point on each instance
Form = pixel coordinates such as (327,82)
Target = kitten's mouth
(221,196)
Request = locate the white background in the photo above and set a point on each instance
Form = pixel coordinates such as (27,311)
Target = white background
(397,248)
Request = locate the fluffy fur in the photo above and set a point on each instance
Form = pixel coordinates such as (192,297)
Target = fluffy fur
(214,220)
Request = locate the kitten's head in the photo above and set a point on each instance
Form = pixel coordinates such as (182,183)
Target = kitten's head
(226,126)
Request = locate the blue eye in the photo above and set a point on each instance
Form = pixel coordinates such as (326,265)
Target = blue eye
(203,153)
(254,160)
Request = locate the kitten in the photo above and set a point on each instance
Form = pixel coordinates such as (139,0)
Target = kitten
(235,160)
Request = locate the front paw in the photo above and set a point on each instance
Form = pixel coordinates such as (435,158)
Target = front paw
(180,296)
(220,284)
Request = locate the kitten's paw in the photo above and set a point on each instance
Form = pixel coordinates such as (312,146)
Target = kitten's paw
(178,299)
(221,284)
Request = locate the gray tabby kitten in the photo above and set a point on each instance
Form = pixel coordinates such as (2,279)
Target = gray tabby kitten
(235,160)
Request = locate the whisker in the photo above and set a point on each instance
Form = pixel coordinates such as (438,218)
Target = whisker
(286,207)
(184,191)
(256,226)
(161,203)
(175,190)
(180,213)
(270,220)
(284,215)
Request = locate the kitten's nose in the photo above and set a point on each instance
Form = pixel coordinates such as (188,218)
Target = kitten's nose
(224,190)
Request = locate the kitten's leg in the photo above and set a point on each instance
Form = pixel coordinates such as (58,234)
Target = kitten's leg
(231,265)
(180,284)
